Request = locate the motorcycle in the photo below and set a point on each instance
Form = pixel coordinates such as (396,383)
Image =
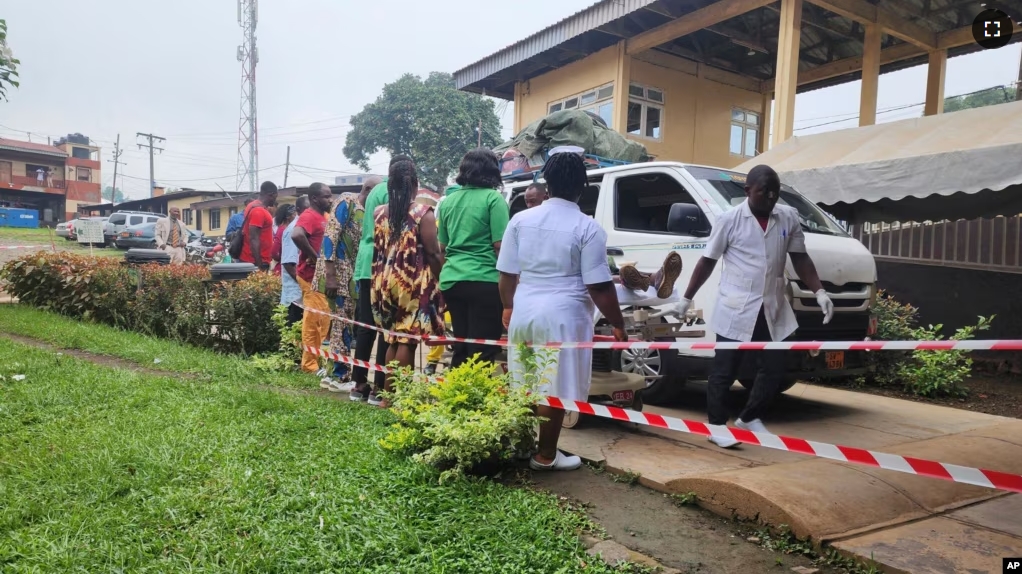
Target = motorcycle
(206,251)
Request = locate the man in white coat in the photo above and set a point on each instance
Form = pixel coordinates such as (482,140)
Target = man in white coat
(754,239)
(172,236)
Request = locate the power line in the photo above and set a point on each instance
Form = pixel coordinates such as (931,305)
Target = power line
(202,178)
(152,168)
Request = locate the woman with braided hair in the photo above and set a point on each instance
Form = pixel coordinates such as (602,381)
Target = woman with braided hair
(406,263)
(553,269)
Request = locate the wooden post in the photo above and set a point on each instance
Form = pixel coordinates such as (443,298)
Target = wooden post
(935,83)
(622,80)
(519,92)
(764,123)
(786,81)
(870,75)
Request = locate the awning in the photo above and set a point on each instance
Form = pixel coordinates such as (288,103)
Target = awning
(959,165)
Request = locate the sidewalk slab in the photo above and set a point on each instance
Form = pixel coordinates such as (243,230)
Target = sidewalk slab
(939,545)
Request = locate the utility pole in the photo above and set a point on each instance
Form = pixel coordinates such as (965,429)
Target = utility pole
(1018,81)
(480,136)
(152,169)
(248,133)
(287,165)
(116,161)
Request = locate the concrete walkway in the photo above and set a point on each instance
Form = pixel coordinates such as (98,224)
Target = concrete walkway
(905,523)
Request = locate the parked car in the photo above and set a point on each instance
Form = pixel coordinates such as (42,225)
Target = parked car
(121,220)
(64,229)
(650,209)
(143,236)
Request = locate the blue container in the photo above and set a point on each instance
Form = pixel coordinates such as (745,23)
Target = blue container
(14,217)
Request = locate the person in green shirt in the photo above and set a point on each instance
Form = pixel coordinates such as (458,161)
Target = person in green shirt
(470,226)
(363,277)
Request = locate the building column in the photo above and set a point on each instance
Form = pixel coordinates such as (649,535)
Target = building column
(786,81)
(935,83)
(870,75)
(622,79)
(518,108)
(764,123)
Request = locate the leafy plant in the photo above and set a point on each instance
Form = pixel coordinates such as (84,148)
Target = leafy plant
(685,499)
(467,418)
(289,352)
(925,373)
(931,373)
(8,63)
(627,477)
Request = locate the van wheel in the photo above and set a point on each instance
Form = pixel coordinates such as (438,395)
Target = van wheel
(653,363)
(748,383)
(572,419)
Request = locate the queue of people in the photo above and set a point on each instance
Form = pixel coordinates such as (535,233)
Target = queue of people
(399,257)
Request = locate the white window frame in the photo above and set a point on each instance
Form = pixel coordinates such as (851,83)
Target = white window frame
(592,106)
(745,126)
(646,101)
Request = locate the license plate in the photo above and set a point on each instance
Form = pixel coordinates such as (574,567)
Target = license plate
(835,360)
(623,396)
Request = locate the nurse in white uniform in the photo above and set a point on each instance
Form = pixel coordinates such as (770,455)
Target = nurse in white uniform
(755,240)
(553,271)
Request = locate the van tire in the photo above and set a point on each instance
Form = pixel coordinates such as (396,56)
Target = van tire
(667,389)
(748,383)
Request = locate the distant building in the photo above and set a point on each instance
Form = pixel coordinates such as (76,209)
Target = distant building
(352,179)
(50,178)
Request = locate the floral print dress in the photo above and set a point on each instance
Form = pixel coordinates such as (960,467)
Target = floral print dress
(340,245)
(405,295)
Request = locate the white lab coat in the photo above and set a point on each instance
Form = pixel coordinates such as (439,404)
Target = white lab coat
(556,251)
(753,273)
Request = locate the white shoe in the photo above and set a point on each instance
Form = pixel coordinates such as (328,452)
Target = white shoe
(337,387)
(754,425)
(326,384)
(321,373)
(723,442)
(561,462)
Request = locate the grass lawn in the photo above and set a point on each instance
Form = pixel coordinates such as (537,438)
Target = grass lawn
(36,235)
(41,237)
(106,470)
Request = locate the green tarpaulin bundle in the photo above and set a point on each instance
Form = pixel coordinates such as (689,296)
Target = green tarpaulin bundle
(573,127)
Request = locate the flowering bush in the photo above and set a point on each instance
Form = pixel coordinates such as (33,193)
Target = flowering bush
(468,417)
(163,300)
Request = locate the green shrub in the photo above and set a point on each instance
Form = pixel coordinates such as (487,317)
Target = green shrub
(161,300)
(465,419)
(289,352)
(924,373)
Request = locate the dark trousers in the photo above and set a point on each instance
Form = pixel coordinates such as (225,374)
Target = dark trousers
(294,314)
(364,337)
(770,370)
(476,313)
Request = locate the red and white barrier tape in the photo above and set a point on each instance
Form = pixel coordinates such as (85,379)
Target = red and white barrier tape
(969,345)
(896,462)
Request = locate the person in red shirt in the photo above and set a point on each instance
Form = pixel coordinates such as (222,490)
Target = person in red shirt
(258,228)
(308,237)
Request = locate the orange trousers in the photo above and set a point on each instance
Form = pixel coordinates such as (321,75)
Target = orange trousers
(315,326)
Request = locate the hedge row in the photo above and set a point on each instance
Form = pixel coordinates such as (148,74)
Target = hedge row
(176,302)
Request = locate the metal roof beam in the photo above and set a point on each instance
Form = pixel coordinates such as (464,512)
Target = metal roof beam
(866,13)
(697,20)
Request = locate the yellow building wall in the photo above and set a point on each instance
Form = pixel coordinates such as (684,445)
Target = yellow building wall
(537,94)
(183,204)
(696,127)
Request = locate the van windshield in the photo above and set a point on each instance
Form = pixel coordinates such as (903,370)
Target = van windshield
(728,189)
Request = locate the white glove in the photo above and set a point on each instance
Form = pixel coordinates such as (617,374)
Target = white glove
(826,305)
(683,306)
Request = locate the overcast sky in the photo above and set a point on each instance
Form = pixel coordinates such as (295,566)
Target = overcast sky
(169,68)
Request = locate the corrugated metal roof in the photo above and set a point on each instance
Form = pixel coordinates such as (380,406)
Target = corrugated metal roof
(577,24)
(17,145)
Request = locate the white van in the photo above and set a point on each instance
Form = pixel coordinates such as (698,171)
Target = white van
(650,209)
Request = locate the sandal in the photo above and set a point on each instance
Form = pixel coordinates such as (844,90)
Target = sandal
(360,393)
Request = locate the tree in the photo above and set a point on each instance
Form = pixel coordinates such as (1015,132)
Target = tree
(8,63)
(429,120)
(988,97)
(118,195)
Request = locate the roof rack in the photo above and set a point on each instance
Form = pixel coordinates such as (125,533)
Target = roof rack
(591,161)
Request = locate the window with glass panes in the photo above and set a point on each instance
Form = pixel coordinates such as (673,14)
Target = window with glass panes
(744,132)
(645,111)
(599,101)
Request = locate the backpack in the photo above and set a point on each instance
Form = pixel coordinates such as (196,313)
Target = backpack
(237,241)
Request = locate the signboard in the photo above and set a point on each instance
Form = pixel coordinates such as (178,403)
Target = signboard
(89,230)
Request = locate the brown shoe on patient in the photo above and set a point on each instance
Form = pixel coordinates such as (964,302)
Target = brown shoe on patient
(634,279)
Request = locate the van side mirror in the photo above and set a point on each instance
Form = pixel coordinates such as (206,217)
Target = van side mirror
(687,219)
